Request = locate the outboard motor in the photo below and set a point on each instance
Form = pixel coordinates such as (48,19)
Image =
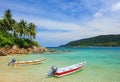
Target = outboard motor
(52,71)
(12,61)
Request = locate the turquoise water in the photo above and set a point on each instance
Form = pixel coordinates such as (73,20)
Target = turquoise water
(103,65)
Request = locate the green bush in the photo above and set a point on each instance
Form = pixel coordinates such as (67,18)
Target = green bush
(6,41)
(25,43)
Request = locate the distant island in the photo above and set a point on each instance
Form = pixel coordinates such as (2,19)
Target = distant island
(17,37)
(100,41)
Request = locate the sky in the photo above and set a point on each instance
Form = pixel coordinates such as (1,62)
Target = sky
(61,21)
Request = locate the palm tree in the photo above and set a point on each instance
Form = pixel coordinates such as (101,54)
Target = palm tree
(31,30)
(21,28)
(9,22)
(1,24)
(16,30)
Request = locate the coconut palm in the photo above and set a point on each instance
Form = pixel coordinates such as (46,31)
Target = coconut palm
(8,21)
(16,30)
(1,24)
(21,26)
(31,30)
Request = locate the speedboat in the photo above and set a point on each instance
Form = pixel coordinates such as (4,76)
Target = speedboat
(59,72)
(14,62)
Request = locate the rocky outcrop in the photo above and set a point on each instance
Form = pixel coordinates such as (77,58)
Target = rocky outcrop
(16,50)
(2,53)
(52,50)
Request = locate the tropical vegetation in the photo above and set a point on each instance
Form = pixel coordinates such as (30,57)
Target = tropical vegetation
(20,33)
(102,40)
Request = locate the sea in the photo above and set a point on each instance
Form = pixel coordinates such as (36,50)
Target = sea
(103,65)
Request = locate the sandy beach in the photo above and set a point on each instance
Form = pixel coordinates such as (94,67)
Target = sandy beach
(99,67)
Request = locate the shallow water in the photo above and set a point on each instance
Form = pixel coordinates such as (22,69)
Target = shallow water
(103,65)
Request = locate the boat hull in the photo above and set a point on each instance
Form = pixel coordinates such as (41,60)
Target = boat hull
(70,69)
(68,72)
(28,62)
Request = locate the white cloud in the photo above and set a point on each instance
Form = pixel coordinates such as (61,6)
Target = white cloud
(105,25)
(112,9)
(53,24)
(100,12)
(98,26)
(116,7)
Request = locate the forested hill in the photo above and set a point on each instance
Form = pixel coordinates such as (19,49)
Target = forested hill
(102,40)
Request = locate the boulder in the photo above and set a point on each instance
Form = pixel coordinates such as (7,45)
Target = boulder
(14,47)
(45,49)
(15,50)
(2,53)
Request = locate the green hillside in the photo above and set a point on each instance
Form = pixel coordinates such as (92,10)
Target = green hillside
(102,40)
